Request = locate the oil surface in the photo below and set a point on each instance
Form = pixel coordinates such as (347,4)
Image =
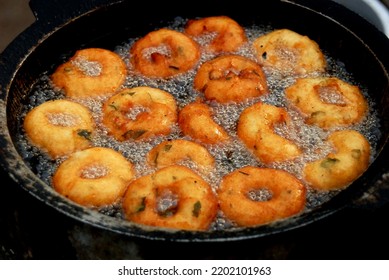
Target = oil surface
(229,157)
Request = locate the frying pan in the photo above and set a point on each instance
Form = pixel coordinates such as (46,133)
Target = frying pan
(61,28)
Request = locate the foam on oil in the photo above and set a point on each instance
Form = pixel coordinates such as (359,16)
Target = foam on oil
(228,157)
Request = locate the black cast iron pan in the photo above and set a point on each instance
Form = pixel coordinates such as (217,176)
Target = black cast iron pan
(65,26)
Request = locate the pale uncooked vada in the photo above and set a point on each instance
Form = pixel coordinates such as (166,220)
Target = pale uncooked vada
(230,78)
(196,121)
(252,196)
(164,53)
(94,177)
(176,151)
(89,73)
(256,130)
(139,113)
(173,197)
(338,169)
(289,52)
(60,127)
(226,34)
(328,101)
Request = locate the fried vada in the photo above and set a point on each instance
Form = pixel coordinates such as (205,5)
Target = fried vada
(60,127)
(252,196)
(139,113)
(230,78)
(289,52)
(173,197)
(328,101)
(94,177)
(256,130)
(226,34)
(89,73)
(164,53)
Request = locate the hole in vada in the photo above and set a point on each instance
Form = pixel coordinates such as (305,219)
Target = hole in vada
(63,119)
(134,112)
(94,171)
(331,95)
(167,203)
(260,194)
(89,68)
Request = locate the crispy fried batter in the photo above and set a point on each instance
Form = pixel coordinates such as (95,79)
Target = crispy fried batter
(338,169)
(139,113)
(256,130)
(289,52)
(328,102)
(94,177)
(230,78)
(176,151)
(173,197)
(228,34)
(164,53)
(60,127)
(252,196)
(89,73)
(195,120)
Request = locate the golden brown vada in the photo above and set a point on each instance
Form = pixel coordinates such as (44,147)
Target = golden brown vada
(60,127)
(89,73)
(229,35)
(139,113)
(173,197)
(252,196)
(327,102)
(164,53)
(171,152)
(256,130)
(338,169)
(230,78)
(289,52)
(196,121)
(94,177)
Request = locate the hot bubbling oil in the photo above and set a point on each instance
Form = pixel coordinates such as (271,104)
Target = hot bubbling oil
(229,156)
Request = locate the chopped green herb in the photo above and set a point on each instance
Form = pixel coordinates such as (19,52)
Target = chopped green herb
(156,159)
(318,114)
(196,209)
(167,147)
(356,153)
(130,93)
(329,162)
(174,67)
(134,134)
(142,205)
(113,106)
(84,133)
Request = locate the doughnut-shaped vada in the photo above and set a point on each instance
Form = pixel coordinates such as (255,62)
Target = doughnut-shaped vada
(290,53)
(171,152)
(164,53)
(196,120)
(172,197)
(139,113)
(340,168)
(94,177)
(90,72)
(252,196)
(230,78)
(256,130)
(328,102)
(226,34)
(60,127)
